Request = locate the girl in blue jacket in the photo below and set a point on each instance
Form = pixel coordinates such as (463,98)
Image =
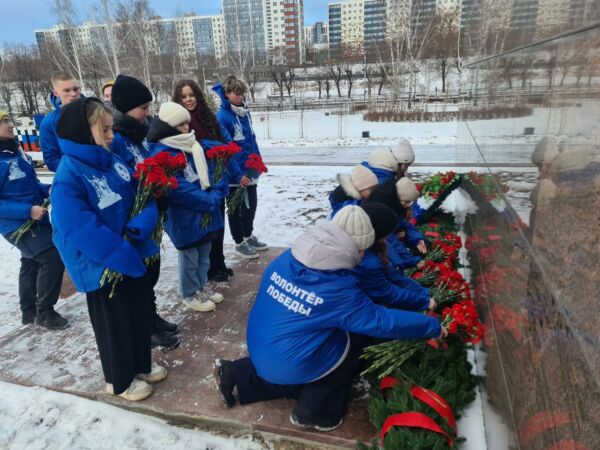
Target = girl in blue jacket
(21,197)
(310,322)
(188,203)
(371,274)
(235,118)
(209,133)
(92,197)
(132,99)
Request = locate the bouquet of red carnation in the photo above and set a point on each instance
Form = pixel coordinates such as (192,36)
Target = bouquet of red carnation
(462,320)
(220,155)
(23,229)
(156,178)
(254,167)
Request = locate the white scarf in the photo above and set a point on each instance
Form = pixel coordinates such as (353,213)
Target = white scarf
(240,111)
(188,144)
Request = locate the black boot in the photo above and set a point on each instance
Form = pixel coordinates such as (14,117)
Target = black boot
(218,276)
(224,373)
(228,271)
(28,316)
(161,325)
(50,319)
(164,341)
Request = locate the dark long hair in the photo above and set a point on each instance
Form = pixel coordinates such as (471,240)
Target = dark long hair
(203,113)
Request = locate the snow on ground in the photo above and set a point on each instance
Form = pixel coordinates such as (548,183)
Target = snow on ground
(290,198)
(36,418)
(323,128)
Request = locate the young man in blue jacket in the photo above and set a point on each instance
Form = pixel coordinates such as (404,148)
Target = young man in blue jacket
(65,89)
(21,195)
(310,322)
(235,118)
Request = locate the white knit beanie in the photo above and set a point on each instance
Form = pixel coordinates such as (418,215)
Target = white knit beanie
(383,159)
(571,159)
(356,223)
(403,152)
(173,113)
(363,178)
(545,151)
(406,190)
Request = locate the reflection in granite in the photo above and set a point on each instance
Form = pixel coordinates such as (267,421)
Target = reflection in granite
(535,258)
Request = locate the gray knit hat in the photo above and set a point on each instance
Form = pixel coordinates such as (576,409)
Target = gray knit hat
(406,189)
(356,223)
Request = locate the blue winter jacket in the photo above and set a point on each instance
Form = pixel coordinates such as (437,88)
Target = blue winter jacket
(48,138)
(383,176)
(19,191)
(413,236)
(298,327)
(92,197)
(372,280)
(188,203)
(239,129)
(129,151)
(399,255)
(398,278)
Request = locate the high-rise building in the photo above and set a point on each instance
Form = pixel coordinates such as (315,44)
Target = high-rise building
(246,34)
(355,24)
(284,31)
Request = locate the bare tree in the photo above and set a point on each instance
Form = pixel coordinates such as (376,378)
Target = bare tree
(24,70)
(288,76)
(68,17)
(335,73)
(444,42)
(138,28)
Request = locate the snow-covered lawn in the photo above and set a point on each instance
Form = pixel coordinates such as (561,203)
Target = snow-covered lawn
(38,419)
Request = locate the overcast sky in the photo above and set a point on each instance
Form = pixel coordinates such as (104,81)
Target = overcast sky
(18,18)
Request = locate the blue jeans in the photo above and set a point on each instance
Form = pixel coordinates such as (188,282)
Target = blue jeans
(193,269)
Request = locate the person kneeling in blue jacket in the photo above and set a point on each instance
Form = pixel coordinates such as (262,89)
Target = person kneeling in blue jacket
(21,195)
(92,197)
(310,322)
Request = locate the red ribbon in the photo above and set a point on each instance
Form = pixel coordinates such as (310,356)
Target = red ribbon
(568,444)
(541,422)
(435,402)
(430,398)
(413,420)
(432,234)
(388,382)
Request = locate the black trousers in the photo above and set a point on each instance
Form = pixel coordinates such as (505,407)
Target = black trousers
(241,224)
(40,279)
(151,276)
(122,326)
(217,258)
(327,396)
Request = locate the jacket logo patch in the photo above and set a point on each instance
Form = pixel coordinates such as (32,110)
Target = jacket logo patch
(14,171)
(238,132)
(189,173)
(122,171)
(106,196)
(135,152)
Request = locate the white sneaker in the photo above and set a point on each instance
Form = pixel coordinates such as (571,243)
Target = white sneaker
(198,305)
(137,390)
(157,373)
(208,296)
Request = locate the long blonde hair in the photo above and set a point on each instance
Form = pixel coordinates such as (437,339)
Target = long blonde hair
(97,113)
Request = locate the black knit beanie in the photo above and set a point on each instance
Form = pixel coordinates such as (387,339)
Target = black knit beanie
(73,123)
(386,194)
(129,93)
(383,219)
